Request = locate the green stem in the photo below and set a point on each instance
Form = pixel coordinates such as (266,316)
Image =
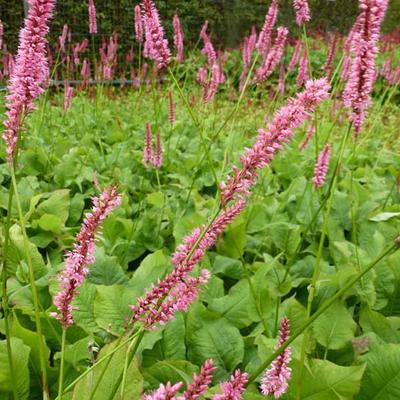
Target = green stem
(61,377)
(317,268)
(4,295)
(319,312)
(127,363)
(43,361)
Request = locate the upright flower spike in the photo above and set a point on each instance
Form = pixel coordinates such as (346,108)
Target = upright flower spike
(138,24)
(1,34)
(321,167)
(264,39)
(364,46)
(30,73)
(295,56)
(273,57)
(92,18)
(171,108)
(331,55)
(302,75)
(200,382)
(156,45)
(309,136)
(82,255)
(214,83)
(178,38)
(62,39)
(275,380)
(158,159)
(271,140)
(148,146)
(302,10)
(68,95)
(233,389)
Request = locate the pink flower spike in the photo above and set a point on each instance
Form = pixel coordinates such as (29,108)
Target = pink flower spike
(302,11)
(302,75)
(200,382)
(158,159)
(275,380)
(164,392)
(364,47)
(62,39)
(171,108)
(233,389)
(78,260)
(138,25)
(1,34)
(30,73)
(92,18)
(148,146)
(295,56)
(264,39)
(68,95)
(273,57)
(321,168)
(156,46)
(309,136)
(178,38)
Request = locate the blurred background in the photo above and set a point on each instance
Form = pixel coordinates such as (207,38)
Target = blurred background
(229,20)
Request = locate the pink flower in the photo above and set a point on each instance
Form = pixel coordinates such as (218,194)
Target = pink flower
(171,108)
(62,39)
(310,134)
(85,72)
(92,18)
(264,39)
(138,25)
(163,299)
(202,76)
(357,93)
(214,83)
(321,168)
(148,146)
(178,38)
(302,75)
(30,72)
(233,389)
(200,382)
(331,55)
(296,56)
(1,34)
(82,255)
(273,57)
(204,28)
(156,46)
(68,94)
(275,379)
(208,50)
(302,11)
(164,392)
(158,159)
(271,140)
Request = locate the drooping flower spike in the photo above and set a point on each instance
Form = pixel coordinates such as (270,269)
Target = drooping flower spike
(78,260)
(276,379)
(30,73)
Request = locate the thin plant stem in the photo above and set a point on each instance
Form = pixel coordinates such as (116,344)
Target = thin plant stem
(320,311)
(43,361)
(61,376)
(126,366)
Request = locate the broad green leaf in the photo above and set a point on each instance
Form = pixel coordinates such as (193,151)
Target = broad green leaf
(385,216)
(111,307)
(156,199)
(57,204)
(335,327)
(286,237)
(20,357)
(83,314)
(324,380)
(228,267)
(209,336)
(233,241)
(110,374)
(50,222)
(381,380)
(238,306)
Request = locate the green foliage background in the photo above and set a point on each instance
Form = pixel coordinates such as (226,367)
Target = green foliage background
(229,20)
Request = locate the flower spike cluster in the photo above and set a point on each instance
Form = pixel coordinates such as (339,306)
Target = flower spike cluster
(30,72)
(156,46)
(82,255)
(150,157)
(264,39)
(275,380)
(362,75)
(271,140)
(321,167)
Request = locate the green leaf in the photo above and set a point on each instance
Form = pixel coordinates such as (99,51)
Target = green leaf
(83,313)
(156,199)
(50,222)
(233,240)
(106,270)
(112,372)
(209,336)
(335,328)
(20,356)
(286,237)
(228,267)
(324,380)
(385,216)
(381,380)
(238,306)
(57,204)
(111,307)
